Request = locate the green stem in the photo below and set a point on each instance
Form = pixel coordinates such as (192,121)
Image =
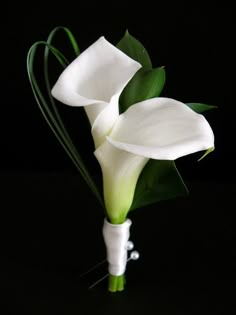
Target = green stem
(121,283)
(116,283)
(112,283)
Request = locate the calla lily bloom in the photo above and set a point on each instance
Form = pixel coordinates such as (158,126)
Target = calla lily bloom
(95,80)
(158,128)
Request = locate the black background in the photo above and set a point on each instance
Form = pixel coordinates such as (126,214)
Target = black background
(188,248)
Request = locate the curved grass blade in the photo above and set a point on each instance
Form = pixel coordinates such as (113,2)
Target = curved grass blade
(47,80)
(49,117)
(70,36)
(39,96)
(47,50)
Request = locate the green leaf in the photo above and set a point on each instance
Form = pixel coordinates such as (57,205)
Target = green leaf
(199,107)
(160,180)
(135,50)
(144,85)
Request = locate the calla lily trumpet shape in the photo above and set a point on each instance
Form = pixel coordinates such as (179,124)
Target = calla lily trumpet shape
(158,128)
(95,80)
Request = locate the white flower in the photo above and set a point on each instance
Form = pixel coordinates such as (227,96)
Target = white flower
(95,80)
(158,128)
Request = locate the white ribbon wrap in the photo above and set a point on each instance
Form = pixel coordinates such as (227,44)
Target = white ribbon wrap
(116,237)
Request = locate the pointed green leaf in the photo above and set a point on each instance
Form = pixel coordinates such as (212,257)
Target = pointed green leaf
(135,50)
(144,85)
(199,107)
(160,180)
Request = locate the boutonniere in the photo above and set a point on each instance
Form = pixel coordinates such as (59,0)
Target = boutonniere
(137,134)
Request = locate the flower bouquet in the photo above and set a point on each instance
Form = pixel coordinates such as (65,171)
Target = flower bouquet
(137,134)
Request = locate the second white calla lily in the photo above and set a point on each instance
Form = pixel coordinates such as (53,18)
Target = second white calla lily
(158,128)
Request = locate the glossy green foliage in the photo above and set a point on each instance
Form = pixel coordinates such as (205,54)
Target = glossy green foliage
(159,180)
(135,50)
(147,82)
(199,107)
(144,85)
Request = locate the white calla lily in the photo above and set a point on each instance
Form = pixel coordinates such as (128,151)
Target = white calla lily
(120,171)
(95,80)
(159,128)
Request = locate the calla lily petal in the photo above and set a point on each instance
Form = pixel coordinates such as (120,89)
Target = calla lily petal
(95,79)
(120,171)
(161,128)
(104,122)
